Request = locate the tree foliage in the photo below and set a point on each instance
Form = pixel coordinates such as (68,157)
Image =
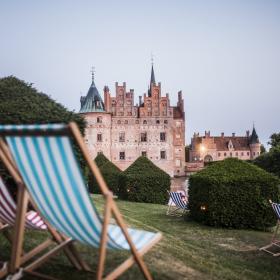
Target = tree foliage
(233,193)
(144,182)
(274,140)
(21,103)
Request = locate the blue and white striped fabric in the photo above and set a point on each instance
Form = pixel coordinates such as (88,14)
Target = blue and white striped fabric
(177,199)
(53,178)
(276,208)
(32,127)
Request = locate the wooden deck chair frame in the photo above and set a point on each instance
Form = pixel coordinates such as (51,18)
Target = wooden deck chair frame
(174,210)
(110,210)
(274,241)
(18,257)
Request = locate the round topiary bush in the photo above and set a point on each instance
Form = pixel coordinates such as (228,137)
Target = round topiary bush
(233,193)
(144,182)
(110,173)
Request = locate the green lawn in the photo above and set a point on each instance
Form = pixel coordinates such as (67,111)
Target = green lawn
(187,251)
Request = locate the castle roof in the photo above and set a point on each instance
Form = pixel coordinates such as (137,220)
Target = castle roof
(92,102)
(254,138)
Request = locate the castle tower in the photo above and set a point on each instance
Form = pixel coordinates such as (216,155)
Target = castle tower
(97,133)
(254,143)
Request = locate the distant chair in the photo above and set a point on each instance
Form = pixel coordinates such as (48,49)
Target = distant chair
(46,161)
(274,241)
(180,204)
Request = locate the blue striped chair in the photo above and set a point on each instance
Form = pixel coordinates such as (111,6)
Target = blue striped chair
(274,241)
(176,206)
(45,159)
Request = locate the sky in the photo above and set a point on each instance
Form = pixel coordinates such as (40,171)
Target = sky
(224,55)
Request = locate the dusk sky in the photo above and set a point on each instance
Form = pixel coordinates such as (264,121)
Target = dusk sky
(223,55)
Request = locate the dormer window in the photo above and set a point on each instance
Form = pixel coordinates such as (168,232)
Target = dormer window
(99,119)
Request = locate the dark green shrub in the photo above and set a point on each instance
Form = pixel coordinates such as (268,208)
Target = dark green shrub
(233,193)
(144,182)
(110,173)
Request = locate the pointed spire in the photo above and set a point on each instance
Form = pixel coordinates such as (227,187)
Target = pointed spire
(153,80)
(254,136)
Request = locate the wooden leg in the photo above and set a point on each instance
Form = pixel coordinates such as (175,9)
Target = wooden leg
(104,236)
(18,234)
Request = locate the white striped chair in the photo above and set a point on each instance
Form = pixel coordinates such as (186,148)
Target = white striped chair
(176,206)
(274,241)
(47,164)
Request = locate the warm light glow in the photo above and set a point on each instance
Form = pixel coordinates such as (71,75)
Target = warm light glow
(202,207)
(202,148)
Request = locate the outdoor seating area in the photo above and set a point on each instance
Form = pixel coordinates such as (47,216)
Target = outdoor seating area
(41,160)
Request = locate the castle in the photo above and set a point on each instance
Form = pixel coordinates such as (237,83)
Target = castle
(123,131)
(214,148)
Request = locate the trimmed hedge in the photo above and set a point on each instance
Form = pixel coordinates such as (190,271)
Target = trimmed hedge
(144,182)
(233,193)
(110,173)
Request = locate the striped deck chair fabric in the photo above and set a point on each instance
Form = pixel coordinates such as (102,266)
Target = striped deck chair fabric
(51,173)
(180,204)
(274,241)
(8,211)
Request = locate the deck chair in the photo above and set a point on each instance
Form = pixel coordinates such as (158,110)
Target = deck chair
(46,161)
(176,206)
(274,241)
(33,221)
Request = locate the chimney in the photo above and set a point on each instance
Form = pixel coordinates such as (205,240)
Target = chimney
(140,100)
(222,134)
(233,134)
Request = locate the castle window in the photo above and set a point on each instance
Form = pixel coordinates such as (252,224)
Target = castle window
(219,154)
(144,137)
(137,121)
(99,119)
(158,121)
(121,137)
(129,113)
(254,153)
(144,154)
(242,154)
(119,122)
(225,154)
(144,122)
(126,121)
(166,121)
(248,153)
(162,154)
(99,137)
(99,152)
(122,155)
(230,154)
(162,137)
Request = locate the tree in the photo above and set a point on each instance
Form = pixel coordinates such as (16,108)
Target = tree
(274,140)
(21,103)
(263,149)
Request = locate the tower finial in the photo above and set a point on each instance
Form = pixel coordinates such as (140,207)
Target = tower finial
(92,72)
(152,58)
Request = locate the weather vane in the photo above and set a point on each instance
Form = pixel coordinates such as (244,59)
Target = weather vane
(92,73)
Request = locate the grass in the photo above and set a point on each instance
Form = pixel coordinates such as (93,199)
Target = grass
(187,251)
